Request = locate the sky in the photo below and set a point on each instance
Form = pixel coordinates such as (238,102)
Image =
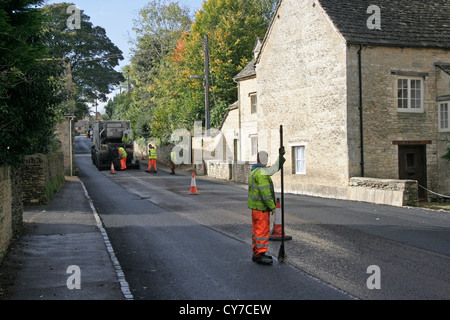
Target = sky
(116,17)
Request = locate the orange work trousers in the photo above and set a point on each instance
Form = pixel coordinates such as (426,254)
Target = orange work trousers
(261,232)
(152,163)
(123,163)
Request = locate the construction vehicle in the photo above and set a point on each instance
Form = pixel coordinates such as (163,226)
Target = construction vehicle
(107,138)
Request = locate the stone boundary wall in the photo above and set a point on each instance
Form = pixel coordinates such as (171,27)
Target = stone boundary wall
(384,191)
(5,209)
(42,177)
(380,191)
(11,208)
(230,171)
(162,152)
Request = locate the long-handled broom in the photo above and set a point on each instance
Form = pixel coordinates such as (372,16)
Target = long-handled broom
(281,253)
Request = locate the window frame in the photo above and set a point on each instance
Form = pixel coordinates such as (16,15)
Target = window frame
(299,170)
(253,104)
(409,98)
(441,103)
(252,146)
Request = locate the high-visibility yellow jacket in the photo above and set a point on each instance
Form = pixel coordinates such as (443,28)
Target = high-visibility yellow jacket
(173,157)
(152,154)
(122,153)
(261,194)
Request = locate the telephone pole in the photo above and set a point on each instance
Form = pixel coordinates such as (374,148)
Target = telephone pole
(206,78)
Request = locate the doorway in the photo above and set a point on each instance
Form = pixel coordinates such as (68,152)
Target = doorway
(413,165)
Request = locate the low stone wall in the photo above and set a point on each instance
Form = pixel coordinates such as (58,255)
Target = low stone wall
(162,152)
(231,171)
(42,177)
(11,207)
(241,172)
(219,170)
(381,191)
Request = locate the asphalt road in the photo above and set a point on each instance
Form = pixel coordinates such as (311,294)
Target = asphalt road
(172,245)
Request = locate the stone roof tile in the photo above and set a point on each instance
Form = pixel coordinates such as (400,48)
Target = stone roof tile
(404,23)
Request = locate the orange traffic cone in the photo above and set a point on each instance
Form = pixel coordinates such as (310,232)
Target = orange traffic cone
(193,185)
(277,227)
(112,168)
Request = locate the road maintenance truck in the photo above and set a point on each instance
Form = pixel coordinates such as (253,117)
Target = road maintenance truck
(107,138)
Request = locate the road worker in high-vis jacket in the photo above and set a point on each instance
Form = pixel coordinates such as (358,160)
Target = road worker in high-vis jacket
(261,199)
(126,139)
(151,159)
(123,158)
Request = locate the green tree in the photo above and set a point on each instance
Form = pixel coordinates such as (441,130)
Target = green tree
(159,26)
(92,54)
(232,27)
(164,61)
(31,87)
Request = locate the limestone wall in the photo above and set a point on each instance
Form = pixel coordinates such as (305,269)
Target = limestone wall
(231,171)
(11,207)
(67,146)
(249,120)
(5,209)
(384,124)
(302,84)
(384,191)
(42,176)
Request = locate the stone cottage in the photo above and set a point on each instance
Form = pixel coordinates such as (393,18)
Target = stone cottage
(240,124)
(362,89)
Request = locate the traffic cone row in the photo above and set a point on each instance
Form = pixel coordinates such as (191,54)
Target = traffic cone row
(277,226)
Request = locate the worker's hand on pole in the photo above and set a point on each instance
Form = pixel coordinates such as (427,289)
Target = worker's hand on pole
(282,160)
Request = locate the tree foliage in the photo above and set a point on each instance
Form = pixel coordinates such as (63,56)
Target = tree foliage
(31,87)
(158,28)
(170,49)
(92,54)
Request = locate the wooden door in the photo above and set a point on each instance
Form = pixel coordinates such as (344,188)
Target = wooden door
(413,166)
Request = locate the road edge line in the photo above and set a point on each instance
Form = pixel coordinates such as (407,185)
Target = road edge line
(119,272)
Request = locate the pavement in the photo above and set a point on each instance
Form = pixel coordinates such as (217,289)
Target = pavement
(63,253)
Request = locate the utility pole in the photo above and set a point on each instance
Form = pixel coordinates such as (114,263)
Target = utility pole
(96,104)
(206,78)
(129,86)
